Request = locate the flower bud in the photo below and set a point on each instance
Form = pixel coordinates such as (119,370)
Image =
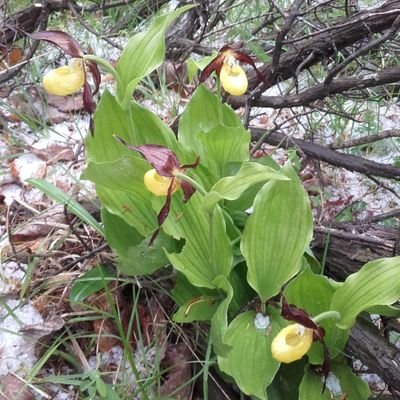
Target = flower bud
(233,79)
(158,184)
(291,343)
(65,80)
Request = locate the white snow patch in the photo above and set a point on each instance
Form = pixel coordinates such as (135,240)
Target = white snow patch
(17,347)
(11,277)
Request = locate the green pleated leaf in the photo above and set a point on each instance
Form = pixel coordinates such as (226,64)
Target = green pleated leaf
(213,131)
(243,294)
(277,234)
(144,259)
(250,360)
(110,119)
(219,321)
(207,251)
(203,113)
(120,187)
(313,293)
(196,303)
(311,387)
(200,308)
(134,208)
(135,257)
(351,386)
(387,311)
(377,283)
(143,53)
(63,198)
(125,174)
(232,187)
(222,145)
(194,65)
(91,282)
(285,385)
(120,235)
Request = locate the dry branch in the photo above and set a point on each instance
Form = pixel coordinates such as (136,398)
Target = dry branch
(327,42)
(321,91)
(347,161)
(350,246)
(376,353)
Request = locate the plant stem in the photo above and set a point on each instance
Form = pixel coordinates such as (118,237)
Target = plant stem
(263,308)
(190,180)
(131,125)
(259,143)
(211,235)
(106,66)
(219,98)
(206,368)
(326,315)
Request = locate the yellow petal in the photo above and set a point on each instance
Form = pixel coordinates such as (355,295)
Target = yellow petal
(291,343)
(158,184)
(233,79)
(65,80)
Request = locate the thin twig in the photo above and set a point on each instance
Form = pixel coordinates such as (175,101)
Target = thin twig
(366,139)
(90,29)
(363,50)
(282,34)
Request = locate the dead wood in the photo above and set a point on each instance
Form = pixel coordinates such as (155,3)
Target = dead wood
(347,161)
(322,90)
(350,246)
(327,42)
(381,357)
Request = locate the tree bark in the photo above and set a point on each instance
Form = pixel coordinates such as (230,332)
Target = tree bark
(350,246)
(366,344)
(348,161)
(328,42)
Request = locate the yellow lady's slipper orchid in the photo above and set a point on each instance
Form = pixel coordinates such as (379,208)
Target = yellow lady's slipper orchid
(233,79)
(158,184)
(232,76)
(65,80)
(291,343)
(162,180)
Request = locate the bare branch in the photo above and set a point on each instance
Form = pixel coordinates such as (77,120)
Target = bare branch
(363,50)
(347,161)
(318,92)
(283,32)
(366,139)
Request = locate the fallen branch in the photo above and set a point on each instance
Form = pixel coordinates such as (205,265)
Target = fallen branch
(327,42)
(366,139)
(375,352)
(321,91)
(347,161)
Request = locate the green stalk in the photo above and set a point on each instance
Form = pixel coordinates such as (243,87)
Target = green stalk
(263,307)
(325,315)
(211,235)
(206,368)
(131,125)
(125,341)
(219,97)
(105,65)
(190,180)
(259,143)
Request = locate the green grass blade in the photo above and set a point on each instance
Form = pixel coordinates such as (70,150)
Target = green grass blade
(72,205)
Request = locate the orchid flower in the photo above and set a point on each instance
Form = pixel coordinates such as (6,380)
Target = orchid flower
(162,179)
(69,79)
(291,343)
(232,76)
(294,341)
